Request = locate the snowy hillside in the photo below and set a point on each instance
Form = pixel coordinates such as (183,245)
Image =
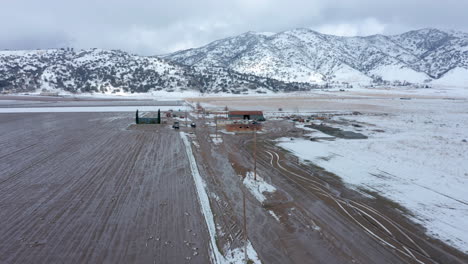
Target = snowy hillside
(104,71)
(295,60)
(304,55)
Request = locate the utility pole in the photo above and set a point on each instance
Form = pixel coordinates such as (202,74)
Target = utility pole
(255,153)
(245,227)
(216,124)
(186,117)
(203,115)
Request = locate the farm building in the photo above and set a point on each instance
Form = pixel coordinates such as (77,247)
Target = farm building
(243,127)
(246,115)
(147,120)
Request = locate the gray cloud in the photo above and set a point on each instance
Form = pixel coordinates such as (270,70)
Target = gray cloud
(155,27)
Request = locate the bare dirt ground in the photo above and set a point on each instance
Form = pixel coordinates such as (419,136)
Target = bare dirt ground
(320,220)
(87,188)
(13,101)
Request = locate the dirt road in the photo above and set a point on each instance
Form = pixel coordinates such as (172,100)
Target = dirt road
(83,188)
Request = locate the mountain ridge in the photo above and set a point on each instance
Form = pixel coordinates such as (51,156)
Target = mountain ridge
(253,62)
(113,71)
(417,56)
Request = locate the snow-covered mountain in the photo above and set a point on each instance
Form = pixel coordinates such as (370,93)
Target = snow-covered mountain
(303,55)
(294,60)
(106,71)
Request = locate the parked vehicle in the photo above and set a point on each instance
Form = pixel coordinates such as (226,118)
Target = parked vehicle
(193,125)
(176,125)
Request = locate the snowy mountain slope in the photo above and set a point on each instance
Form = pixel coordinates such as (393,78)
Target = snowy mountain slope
(294,60)
(438,51)
(107,71)
(305,55)
(457,77)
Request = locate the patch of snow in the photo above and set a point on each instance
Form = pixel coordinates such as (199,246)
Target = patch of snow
(274,215)
(200,185)
(303,126)
(318,134)
(227,132)
(284,139)
(400,73)
(258,187)
(217,139)
(237,256)
(350,75)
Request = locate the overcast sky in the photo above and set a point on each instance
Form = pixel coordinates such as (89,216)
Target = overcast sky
(151,27)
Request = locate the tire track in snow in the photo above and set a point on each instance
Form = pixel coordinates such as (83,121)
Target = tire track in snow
(312,183)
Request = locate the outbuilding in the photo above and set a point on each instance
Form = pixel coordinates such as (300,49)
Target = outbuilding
(244,127)
(246,115)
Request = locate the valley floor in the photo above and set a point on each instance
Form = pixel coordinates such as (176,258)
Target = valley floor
(85,186)
(414,155)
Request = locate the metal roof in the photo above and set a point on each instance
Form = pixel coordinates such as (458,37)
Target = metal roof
(245,113)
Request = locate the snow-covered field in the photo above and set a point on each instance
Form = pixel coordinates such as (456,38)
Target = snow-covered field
(416,155)
(327,100)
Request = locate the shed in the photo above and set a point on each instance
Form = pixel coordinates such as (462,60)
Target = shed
(246,115)
(241,127)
